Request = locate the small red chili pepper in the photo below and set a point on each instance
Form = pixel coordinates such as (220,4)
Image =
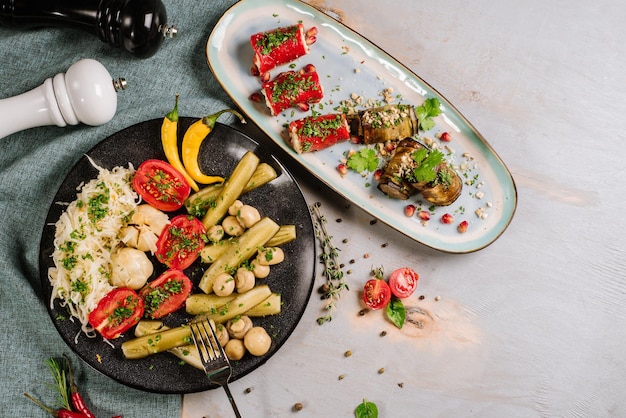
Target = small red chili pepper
(64,413)
(77,400)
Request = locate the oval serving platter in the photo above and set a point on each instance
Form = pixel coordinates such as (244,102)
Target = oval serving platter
(349,64)
(282,200)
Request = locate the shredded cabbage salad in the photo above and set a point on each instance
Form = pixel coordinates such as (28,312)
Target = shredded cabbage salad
(87,233)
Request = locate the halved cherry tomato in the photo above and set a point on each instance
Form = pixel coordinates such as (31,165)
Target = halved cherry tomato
(165,294)
(161,185)
(403,282)
(116,312)
(376,294)
(180,242)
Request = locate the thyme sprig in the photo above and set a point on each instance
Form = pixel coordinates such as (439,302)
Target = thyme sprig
(335,283)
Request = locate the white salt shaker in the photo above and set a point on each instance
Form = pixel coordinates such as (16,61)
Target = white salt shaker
(85,93)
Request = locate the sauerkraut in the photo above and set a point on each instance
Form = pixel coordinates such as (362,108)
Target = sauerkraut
(87,233)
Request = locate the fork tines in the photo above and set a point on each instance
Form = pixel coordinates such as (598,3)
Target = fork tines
(205,339)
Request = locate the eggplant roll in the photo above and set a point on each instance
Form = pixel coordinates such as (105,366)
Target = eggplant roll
(385,123)
(396,179)
(393,181)
(446,189)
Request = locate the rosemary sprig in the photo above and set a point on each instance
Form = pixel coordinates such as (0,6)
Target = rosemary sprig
(335,284)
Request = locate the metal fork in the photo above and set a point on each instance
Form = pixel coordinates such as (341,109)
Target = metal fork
(214,360)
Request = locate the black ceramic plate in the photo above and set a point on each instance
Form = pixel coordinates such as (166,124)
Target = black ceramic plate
(281,200)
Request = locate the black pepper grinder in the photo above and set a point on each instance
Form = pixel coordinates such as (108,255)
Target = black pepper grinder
(137,26)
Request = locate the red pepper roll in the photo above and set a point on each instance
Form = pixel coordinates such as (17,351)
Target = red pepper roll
(293,89)
(278,46)
(315,133)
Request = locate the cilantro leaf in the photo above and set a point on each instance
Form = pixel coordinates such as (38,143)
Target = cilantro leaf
(396,312)
(425,113)
(366,159)
(427,163)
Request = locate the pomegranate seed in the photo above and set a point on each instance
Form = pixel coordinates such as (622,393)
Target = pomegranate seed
(254,70)
(309,68)
(265,77)
(312,31)
(445,137)
(462,228)
(304,106)
(409,210)
(390,146)
(256,97)
(424,215)
(377,174)
(342,169)
(310,40)
(447,218)
(355,139)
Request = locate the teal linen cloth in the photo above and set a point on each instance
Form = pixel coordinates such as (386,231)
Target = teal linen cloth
(33,164)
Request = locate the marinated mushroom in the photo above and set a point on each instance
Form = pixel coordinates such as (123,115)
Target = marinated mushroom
(215,233)
(234,208)
(130,268)
(224,284)
(259,270)
(257,341)
(222,334)
(238,327)
(244,279)
(232,226)
(270,256)
(235,349)
(248,216)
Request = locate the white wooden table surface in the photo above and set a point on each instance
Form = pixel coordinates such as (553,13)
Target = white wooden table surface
(534,324)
